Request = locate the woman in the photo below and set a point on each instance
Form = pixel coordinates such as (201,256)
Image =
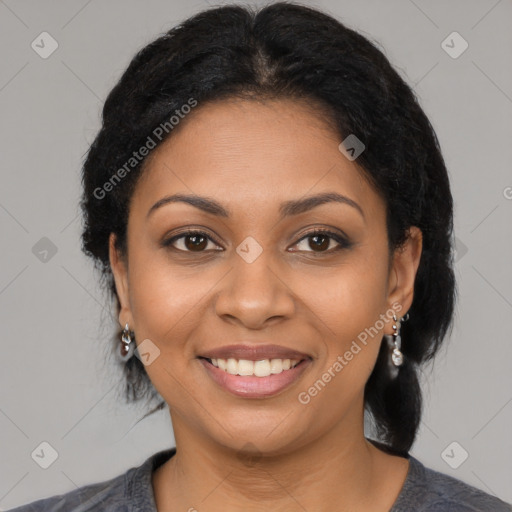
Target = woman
(271,210)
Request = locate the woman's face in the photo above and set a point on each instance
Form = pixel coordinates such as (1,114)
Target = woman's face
(254,278)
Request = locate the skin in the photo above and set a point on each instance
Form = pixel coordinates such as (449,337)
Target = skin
(251,156)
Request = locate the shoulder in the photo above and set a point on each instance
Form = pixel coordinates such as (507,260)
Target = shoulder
(89,497)
(109,494)
(127,492)
(427,490)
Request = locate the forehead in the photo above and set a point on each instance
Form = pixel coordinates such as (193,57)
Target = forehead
(253,153)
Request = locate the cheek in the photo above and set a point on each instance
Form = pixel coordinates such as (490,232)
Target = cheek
(350,297)
(350,304)
(167,310)
(165,300)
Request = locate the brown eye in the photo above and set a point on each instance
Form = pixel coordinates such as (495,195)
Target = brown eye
(319,241)
(195,242)
(190,241)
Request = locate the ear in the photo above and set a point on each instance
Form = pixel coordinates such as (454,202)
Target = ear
(406,260)
(120,273)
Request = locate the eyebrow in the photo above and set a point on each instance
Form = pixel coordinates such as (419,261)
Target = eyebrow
(288,208)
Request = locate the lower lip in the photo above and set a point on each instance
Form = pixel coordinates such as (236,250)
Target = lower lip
(252,386)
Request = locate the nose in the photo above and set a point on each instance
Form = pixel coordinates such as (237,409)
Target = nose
(255,293)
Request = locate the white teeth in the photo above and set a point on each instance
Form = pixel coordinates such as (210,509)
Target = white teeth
(276,365)
(245,367)
(232,366)
(262,368)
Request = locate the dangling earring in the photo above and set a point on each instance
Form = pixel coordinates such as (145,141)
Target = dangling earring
(395,343)
(396,356)
(127,347)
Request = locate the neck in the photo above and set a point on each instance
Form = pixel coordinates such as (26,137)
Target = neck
(339,471)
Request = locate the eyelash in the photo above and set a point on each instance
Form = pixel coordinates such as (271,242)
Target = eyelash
(343,242)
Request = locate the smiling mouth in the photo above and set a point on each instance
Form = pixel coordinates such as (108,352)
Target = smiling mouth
(249,368)
(254,378)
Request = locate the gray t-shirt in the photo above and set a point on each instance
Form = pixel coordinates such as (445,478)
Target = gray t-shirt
(424,490)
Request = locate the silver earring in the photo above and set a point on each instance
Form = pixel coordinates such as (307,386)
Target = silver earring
(396,356)
(127,344)
(395,344)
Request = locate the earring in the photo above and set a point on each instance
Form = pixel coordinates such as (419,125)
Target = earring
(396,356)
(395,341)
(127,347)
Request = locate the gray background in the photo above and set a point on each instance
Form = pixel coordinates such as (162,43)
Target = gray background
(56,384)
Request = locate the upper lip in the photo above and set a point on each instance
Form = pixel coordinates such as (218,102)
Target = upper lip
(254,352)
